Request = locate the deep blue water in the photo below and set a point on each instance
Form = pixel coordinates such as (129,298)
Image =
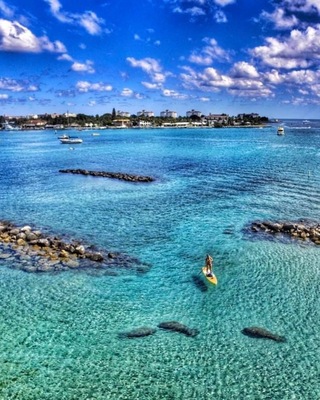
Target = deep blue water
(59,332)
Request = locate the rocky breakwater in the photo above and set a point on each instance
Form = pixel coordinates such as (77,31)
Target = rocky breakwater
(302,230)
(33,251)
(112,175)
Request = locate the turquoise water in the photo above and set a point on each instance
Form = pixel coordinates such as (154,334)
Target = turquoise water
(59,332)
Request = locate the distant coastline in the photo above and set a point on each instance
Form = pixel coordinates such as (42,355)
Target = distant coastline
(113,121)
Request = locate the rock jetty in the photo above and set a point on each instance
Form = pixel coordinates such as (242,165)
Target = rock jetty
(261,333)
(303,230)
(34,251)
(112,175)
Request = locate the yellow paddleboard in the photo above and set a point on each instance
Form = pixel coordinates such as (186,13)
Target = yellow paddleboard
(212,278)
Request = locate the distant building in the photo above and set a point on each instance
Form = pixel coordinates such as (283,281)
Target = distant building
(144,124)
(193,113)
(121,123)
(213,119)
(69,115)
(145,113)
(168,114)
(123,114)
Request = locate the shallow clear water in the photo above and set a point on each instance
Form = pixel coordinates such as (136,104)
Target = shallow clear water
(59,332)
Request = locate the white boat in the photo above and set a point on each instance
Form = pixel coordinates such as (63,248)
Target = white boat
(63,137)
(71,140)
(280,131)
(9,127)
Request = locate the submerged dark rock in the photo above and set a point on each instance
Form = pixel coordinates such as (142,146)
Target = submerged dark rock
(302,229)
(178,327)
(137,333)
(112,175)
(35,251)
(261,333)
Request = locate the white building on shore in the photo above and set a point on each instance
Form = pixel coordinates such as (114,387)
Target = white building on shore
(145,113)
(193,113)
(123,114)
(168,114)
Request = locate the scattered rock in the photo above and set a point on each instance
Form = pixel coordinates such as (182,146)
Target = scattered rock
(303,230)
(261,333)
(34,251)
(113,175)
(178,327)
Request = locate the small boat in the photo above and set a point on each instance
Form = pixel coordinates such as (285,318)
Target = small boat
(211,278)
(71,140)
(280,131)
(63,137)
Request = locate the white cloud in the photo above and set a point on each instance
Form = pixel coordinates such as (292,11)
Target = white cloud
(243,69)
(88,20)
(224,3)
(85,86)
(65,57)
(129,93)
(15,37)
(305,6)
(126,92)
(193,11)
(280,19)
(209,53)
(211,80)
(300,50)
(220,17)
(6,10)
(83,67)
(151,66)
(174,94)
(14,85)
(4,96)
(152,86)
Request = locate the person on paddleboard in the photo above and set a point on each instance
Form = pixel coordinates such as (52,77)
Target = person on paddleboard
(209,265)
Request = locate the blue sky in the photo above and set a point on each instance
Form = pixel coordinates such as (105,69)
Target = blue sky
(215,56)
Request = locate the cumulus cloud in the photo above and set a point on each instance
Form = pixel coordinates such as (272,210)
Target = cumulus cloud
(305,6)
(126,92)
(150,66)
(212,51)
(129,93)
(14,85)
(88,20)
(4,96)
(243,69)
(83,67)
(300,50)
(15,37)
(85,86)
(280,19)
(220,17)
(211,80)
